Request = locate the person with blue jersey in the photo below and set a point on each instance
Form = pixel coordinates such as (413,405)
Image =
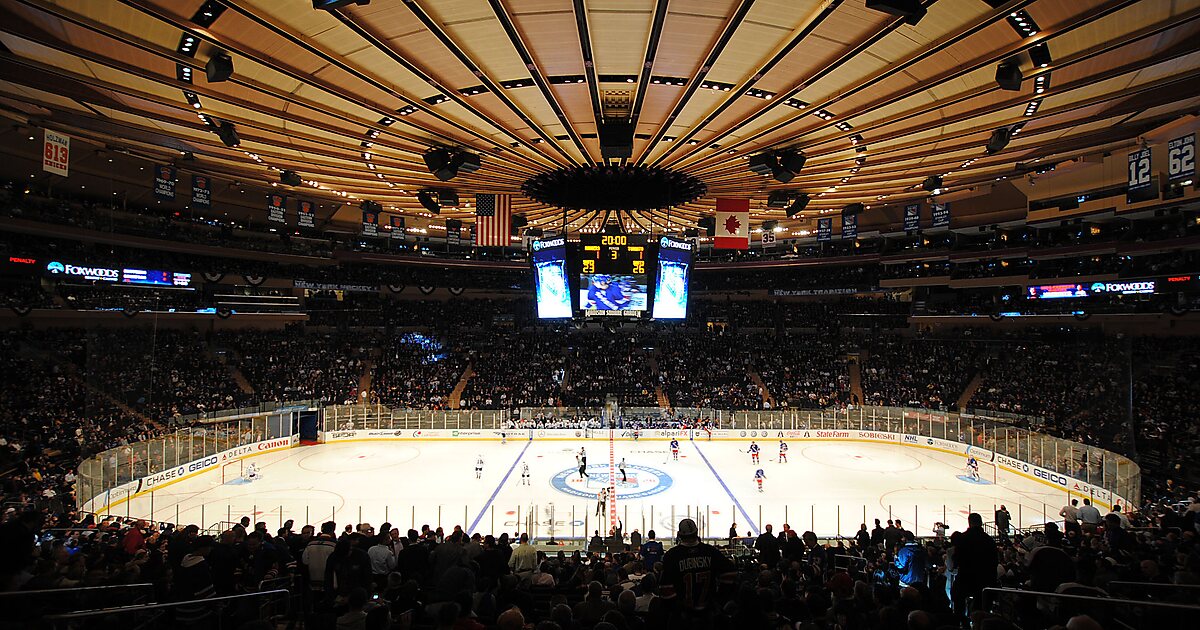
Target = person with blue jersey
(615,294)
(783,448)
(759,475)
(597,295)
(973,467)
(754,452)
(674,449)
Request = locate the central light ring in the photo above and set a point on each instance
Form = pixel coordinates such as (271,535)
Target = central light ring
(613,187)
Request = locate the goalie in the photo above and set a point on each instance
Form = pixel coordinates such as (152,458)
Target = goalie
(972,468)
(251,473)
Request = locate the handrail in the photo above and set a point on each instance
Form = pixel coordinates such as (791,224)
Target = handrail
(120,610)
(74,590)
(991,591)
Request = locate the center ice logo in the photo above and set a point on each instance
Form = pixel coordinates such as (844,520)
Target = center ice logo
(642,482)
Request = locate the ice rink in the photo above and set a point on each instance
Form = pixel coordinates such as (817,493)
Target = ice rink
(829,487)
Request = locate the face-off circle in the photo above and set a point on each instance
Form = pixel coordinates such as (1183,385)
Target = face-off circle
(642,482)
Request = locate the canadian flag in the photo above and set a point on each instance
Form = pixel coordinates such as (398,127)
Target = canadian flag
(733,224)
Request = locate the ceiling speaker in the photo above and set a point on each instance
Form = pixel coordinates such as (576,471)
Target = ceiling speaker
(219,67)
(1008,75)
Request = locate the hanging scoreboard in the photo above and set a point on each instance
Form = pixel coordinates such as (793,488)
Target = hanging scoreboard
(612,274)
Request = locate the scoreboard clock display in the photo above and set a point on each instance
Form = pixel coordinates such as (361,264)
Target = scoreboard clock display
(612,274)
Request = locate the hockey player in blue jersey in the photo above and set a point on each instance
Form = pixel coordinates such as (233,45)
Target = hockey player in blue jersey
(759,475)
(674,449)
(753,453)
(598,294)
(783,452)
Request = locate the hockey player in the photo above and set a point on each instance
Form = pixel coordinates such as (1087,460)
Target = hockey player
(759,475)
(581,459)
(636,432)
(525,473)
(973,468)
(783,448)
(252,473)
(674,449)
(754,452)
(503,437)
(479,467)
(601,501)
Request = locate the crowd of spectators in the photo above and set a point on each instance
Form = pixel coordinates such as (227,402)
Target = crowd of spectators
(289,364)
(916,373)
(803,371)
(50,420)
(602,365)
(885,578)
(524,369)
(707,370)
(415,370)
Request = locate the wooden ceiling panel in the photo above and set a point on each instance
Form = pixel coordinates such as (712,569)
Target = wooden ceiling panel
(309,84)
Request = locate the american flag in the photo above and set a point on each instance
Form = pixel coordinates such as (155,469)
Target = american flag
(493,220)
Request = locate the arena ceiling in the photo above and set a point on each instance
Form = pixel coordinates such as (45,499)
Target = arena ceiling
(876,105)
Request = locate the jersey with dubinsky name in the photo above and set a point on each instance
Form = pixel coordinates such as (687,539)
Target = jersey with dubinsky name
(693,572)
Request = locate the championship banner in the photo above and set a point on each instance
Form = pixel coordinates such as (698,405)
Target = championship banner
(825,229)
(277,208)
(941,214)
(397,227)
(164,182)
(201,191)
(56,153)
(849,225)
(305,216)
(370,223)
(912,217)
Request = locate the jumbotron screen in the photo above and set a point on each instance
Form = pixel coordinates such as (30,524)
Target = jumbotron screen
(612,278)
(671,284)
(550,283)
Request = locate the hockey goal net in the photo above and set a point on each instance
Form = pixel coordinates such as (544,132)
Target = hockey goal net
(234,469)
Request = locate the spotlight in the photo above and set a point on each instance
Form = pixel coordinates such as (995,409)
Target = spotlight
(291,178)
(219,67)
(932,183)
(228,134)
(999,140)
(429,200)
(783,166)
(1008,75)
(792,160)
(764,163)
(798,205)
(446,165)
(464,162)
(778,199)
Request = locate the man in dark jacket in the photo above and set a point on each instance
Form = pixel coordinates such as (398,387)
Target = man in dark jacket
(877,534)
(193,580)
(976,557)
(768,548)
